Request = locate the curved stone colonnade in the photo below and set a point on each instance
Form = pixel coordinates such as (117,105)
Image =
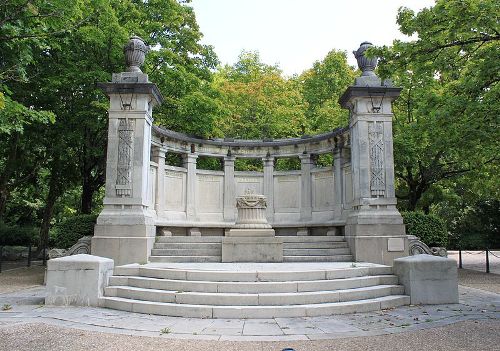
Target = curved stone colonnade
(191,201)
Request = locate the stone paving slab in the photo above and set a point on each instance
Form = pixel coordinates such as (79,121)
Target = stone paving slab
(475,305)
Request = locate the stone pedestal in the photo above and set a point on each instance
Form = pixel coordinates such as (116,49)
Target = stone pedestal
(77,280)
(252,239)
(428,279)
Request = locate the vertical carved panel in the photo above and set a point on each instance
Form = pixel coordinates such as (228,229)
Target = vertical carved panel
(377,168)
(125,156)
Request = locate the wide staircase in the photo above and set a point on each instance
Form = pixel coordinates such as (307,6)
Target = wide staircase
(209,249)
(246,290)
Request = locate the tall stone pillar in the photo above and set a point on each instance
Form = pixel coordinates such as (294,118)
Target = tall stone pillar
(374,227)
(125,228)
(190,165)
(159,158)
(338,181)
(268,163)
(229,190)
(305,187)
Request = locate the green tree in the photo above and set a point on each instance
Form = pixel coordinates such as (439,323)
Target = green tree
(69,64)
(257,102)
(322,86)
(446,120)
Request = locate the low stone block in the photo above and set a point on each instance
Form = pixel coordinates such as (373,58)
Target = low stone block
(248,249)
(428,279)
(77,280)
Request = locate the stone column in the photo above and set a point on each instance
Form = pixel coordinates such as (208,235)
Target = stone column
(374,227)
(190,165)
(338,188)
(229,190)
(159,158)
(305,187)
(268,163)
(125,229)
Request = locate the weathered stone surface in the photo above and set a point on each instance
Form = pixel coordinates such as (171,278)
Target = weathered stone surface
(428,279)
(77,280)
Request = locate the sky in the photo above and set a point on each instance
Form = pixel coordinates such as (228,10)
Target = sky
(296,33)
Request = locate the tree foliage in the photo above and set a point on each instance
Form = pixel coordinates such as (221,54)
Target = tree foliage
(429,228)
(447,117)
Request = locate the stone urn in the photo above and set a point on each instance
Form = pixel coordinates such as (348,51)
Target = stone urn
(251,211)
(135,52)
(365,64)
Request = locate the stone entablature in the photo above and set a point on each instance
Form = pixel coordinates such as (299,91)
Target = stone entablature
(169,140)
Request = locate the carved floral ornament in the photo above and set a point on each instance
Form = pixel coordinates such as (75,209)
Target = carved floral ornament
(251,200)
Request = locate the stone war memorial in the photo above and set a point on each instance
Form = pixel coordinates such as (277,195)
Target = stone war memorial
(183,241)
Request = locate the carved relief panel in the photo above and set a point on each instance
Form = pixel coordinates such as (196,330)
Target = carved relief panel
(125,157)
(377,167)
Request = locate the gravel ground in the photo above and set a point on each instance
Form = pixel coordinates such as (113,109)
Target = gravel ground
(479,280)
(21,278)
(469,335)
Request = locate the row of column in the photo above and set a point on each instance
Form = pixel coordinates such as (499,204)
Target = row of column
(268,185)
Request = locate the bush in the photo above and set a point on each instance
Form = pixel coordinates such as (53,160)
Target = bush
(12,235)
(479,227)
(429,228)
(67,233)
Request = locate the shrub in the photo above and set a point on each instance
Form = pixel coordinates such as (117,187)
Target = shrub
(429,228)
(67,233)
(13,235)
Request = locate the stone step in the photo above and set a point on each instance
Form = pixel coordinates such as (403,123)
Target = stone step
(187,252)
(269,299)
(316,245)
(189,239)
(210,311)
(316,252)
(252,287)
(166,259)
(250,276)
(311,239)
(174,245)
(336,258)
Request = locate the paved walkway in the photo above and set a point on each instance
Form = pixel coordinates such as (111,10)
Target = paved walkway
(475,305)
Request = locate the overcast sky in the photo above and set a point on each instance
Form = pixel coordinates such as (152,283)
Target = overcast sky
(295,33)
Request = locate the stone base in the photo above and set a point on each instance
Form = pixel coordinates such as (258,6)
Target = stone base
(249,249)
(119,243)
(428,279)
(378,249)
(250,233)
(376,236)
(77,280)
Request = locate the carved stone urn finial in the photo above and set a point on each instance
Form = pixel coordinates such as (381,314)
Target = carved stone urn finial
(365,64)
(135,52)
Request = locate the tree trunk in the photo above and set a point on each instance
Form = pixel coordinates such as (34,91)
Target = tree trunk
(52,196)
(87,194)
